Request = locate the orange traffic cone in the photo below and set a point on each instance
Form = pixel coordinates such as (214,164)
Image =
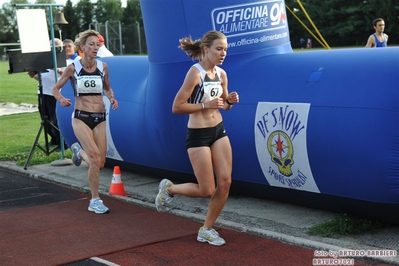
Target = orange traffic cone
(117,187)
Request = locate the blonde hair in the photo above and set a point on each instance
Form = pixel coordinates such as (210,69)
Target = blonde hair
(82,38)
(194,49)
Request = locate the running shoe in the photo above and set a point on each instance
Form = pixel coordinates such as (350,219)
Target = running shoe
(163,198)
(97,206)
(76,148)
(210,236)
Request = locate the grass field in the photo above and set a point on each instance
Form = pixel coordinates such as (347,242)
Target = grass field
(16,87)
(19,131)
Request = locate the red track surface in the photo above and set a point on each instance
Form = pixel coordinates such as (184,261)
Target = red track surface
(65,232)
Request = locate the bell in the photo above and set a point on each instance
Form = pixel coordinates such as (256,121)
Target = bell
(59,18)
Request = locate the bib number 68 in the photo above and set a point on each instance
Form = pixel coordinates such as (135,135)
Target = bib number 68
(90,83)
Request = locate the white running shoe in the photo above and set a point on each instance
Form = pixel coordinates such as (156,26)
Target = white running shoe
(163,198)
(97,206)
(210,236)
(76,148)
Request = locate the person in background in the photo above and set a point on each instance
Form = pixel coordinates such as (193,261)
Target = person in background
(309,43)
(103,51)
(71,54)
(89,79)
(379,38)
(203,93)
(47,102)
(302,41)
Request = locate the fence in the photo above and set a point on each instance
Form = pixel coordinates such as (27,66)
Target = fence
(122,39)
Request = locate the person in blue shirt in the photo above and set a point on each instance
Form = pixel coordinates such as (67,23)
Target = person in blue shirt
(70,52)
(379,38)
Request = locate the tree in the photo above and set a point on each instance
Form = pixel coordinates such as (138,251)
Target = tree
(132,13)
(132,27)
(84,14)
(72,29)
(8,22)
(341,22)
(389,11)
(108,10)
(345,23)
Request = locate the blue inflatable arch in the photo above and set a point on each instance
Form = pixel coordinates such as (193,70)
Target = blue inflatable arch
(316,128)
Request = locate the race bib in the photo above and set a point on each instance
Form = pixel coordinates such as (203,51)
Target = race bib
(212,90)
(89,84)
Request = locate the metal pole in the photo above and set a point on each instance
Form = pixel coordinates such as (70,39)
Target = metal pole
(139,35)
(106,33)
(120,38)
(55,70)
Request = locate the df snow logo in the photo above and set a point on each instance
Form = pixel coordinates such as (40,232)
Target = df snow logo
(281,151)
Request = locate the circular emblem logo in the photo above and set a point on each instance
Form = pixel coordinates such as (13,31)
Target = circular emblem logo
(281,151)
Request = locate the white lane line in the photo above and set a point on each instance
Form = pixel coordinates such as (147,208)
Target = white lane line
(104,261)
